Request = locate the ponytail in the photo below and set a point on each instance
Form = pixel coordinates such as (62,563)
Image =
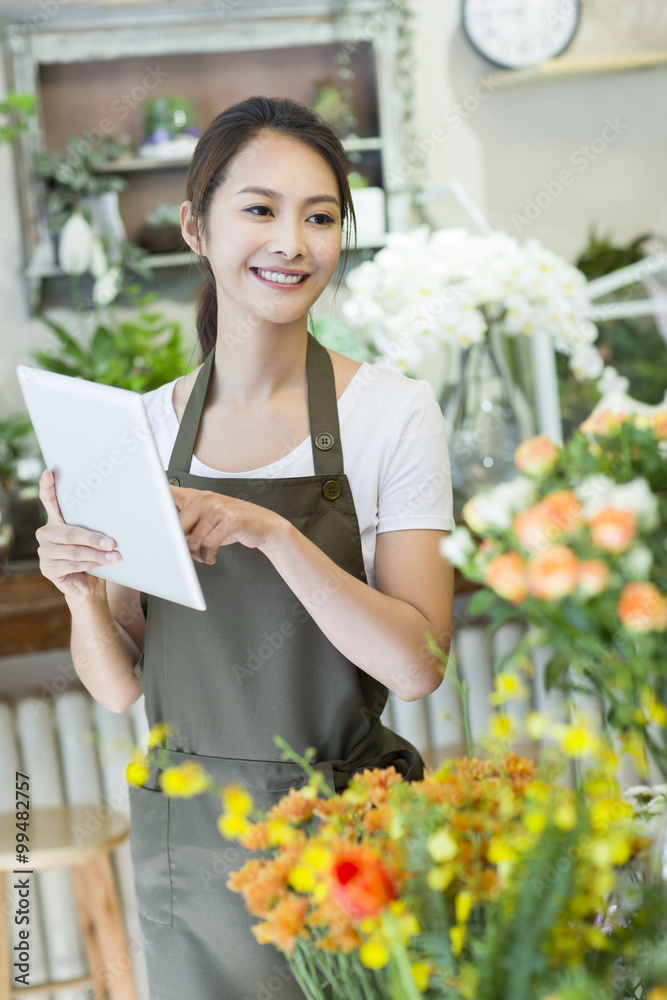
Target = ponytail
(207,310)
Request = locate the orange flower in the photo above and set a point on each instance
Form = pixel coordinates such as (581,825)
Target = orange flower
(642,608)
(554,574)
(593,576)
(602,422)
(540,526)
(361,885)
(506,574)
(659,421)
(536,456)
(612,530)
(284,925)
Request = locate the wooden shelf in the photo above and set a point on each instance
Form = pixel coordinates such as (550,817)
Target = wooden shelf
(159,260)
(130,164)
(582,66)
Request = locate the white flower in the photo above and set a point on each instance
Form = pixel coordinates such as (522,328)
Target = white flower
(597,492)
(586,362)
(75,246)
(107,287)
(457,547)
(99,264)
(496,507)
(451,279)
(637,562)
(611,382)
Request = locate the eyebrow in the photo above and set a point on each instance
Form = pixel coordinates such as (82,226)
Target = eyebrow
(307,201)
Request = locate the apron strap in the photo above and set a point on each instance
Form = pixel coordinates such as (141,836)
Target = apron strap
(184,445)
(322,413)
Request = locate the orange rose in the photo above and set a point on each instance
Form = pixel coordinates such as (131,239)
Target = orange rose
(642,608)
(540,526)
(553,574)
(593,576)
(362,886)
(536,456)
(602,422)
(612,530)
(506,575)
(659,421)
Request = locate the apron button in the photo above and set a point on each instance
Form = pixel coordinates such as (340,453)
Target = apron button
(324,441)
(174,481)
(331,489)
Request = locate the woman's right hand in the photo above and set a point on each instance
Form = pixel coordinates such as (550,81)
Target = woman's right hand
(67,553)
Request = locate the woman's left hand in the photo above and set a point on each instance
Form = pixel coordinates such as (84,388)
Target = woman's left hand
(210,520)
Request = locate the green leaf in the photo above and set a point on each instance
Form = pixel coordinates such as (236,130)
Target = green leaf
(482,601)
(556,667)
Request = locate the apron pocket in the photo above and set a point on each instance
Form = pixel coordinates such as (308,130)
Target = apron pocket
(149,849)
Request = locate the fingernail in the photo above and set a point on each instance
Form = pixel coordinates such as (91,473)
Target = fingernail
(106,543)
(112,556)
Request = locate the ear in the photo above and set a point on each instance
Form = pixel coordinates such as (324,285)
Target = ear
(190,230)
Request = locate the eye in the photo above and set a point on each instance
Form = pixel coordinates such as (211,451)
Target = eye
(322,218)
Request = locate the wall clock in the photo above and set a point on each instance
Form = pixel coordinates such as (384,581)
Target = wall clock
(518,33)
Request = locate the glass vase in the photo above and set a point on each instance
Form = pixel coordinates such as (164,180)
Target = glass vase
(487,416)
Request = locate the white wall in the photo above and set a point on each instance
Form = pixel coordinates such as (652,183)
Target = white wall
(504,151)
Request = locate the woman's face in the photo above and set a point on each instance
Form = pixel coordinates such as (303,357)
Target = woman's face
(277,214)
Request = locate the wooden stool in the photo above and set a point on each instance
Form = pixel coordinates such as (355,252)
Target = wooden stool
(53,844)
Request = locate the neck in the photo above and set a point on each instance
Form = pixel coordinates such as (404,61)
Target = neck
(254,359)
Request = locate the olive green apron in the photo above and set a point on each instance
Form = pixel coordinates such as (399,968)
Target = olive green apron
(252,665)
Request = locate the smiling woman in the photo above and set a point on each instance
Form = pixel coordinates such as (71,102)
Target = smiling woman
(313,492)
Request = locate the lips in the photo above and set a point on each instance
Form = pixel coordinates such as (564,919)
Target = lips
(288,281)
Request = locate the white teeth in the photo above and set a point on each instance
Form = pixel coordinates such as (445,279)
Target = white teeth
(282,279)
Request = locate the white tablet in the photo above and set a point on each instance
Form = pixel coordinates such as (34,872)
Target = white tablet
(98,441)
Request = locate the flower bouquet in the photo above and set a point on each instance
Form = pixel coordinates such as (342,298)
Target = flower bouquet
(575,546)
(427,289)
(487,879)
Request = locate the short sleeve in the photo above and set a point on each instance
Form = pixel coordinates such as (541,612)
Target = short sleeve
(416,486)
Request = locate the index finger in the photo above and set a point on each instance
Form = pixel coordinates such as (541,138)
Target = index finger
(47,494)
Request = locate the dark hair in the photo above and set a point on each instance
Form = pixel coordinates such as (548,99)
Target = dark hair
(226,136)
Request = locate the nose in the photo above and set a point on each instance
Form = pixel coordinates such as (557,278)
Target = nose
(288,238)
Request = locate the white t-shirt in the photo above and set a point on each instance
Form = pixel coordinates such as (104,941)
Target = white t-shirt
(394,449)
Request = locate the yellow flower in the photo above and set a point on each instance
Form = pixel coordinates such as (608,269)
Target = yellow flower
(565,816)
(457,936)
(439,878)
(421,972)
(373,955)
(280,832)
(502,727)
(463,905)
(536,725)
(158,733)
(576,740)
(185,781)
(316,857)
(232,826)
(442,846)
(535,822)
(302,878)
(500,850)
(137,772)
(654,711)
(236,800)
(508,684)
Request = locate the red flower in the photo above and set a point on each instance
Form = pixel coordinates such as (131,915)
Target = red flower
(361,885)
